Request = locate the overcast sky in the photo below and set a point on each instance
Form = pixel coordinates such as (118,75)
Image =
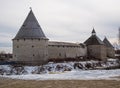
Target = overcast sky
(61,20)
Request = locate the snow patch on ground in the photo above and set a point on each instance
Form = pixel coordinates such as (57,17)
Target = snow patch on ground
(71,75)
(63,71)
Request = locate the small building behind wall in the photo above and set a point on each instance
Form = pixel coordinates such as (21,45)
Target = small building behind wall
(5,57)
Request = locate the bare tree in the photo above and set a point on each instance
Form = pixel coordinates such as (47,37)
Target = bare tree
(119,37)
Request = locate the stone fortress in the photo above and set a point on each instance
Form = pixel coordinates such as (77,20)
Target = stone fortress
(31,46)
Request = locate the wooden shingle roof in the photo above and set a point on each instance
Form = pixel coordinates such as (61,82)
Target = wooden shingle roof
(55,43)
(93,39)
(30,28)
(107,43)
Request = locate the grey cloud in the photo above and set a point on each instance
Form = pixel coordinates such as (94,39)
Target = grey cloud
(5,44)
(63,20)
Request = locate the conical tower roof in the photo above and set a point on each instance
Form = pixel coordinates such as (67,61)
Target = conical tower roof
(93,31)
(107,43)
(93,39)
(30,28)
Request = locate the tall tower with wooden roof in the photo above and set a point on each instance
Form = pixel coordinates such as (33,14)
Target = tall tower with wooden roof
(95,47)
(109,48)
(30,44)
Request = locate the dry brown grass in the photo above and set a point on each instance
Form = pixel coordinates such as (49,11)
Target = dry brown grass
(10,83)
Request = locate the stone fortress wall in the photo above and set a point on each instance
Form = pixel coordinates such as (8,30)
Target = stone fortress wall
(61,50)
(31,46)
(30,50)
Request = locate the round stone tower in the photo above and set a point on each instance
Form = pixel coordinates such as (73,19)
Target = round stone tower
(30,45)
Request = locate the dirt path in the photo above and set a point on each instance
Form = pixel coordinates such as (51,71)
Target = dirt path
(10,83)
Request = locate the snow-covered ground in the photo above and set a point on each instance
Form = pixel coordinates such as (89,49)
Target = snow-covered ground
(83,70)
(71,75)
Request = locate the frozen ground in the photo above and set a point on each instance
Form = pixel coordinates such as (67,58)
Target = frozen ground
(71,75)
(63,71)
